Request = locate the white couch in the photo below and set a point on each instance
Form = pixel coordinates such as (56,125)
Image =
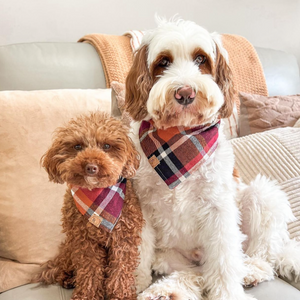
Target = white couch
(46,66)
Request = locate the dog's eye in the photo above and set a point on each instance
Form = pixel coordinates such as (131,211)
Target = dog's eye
(78,147)
(106,147)
(165,62)
(200,60)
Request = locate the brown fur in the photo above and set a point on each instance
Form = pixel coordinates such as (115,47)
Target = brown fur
(236,175)
(206,67)
(224,79)
(138,85)
(97,263)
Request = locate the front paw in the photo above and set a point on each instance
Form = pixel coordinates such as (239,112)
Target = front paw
(158,295)
(258,271)
(172,288)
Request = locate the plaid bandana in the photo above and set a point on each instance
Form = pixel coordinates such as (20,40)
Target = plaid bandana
(102,206)
(176,152)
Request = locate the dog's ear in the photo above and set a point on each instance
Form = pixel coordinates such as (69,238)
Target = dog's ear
(132,162)
(138,85)
(224,79)
(50,161)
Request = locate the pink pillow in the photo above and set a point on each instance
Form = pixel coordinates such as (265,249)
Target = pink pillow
(260,113)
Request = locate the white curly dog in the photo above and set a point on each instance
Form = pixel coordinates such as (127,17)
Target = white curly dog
(210,233)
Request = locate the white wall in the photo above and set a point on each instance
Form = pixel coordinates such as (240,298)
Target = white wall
(266,23)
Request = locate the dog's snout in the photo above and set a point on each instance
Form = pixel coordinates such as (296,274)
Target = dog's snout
(185,95)
(91,169)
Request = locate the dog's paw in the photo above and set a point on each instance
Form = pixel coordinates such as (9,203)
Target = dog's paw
(258,271)
(159,295)
(177,286)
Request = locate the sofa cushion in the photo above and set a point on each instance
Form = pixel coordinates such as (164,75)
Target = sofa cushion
(29,204)
(276,155)
(260,113)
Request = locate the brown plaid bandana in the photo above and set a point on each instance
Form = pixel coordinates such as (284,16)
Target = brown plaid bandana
(176,152)
(102,206)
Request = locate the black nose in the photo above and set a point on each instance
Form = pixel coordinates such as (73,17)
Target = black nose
(91,169)
(185,95)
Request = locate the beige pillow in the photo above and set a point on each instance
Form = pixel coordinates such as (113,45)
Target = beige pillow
(30,205)
(229,125)
(260,113)
(275,154)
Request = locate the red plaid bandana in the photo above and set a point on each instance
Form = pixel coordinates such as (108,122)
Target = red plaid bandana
(176,152)
(102,206)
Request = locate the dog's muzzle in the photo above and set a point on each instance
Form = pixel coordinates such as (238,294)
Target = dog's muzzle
(91,169)
(185,95)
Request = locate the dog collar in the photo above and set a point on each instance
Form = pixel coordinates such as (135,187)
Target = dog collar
(176,152)
(102,206)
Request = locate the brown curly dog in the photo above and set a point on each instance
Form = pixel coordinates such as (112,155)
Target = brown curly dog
(93,152)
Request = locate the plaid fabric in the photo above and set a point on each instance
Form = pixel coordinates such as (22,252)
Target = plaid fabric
(176,152)
(102,206)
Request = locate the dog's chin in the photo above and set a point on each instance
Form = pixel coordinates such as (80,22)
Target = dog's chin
(180,115)
(93,182)
(166,112)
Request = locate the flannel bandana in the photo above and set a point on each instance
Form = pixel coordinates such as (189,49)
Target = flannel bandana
(176,152)
(102,206)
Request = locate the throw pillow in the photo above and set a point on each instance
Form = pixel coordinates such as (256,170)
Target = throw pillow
(260,113)
(229,125)
(276,155)
(30,205)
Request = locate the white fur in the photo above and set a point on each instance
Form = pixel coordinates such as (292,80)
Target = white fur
(193,232)
(182,37)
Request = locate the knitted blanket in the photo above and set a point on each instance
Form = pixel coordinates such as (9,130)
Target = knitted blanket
(116,53)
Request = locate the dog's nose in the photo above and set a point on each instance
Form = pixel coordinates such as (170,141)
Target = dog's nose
(185,95)
(91,169)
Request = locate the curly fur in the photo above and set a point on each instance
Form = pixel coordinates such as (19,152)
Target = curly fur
(212,233)
(97,263)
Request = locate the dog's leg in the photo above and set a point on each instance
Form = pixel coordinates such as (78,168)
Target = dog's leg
(223,269)
(169,260)
(265,213)
(59,270)
(179,285)
(147,256)
(90,260)
(122,263)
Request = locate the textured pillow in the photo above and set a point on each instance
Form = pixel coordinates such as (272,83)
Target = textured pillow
(275,154)
(30,231)
(260,113)
(229,125)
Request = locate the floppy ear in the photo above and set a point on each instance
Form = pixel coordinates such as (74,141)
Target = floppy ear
(138,85)
(224,79)
(50,161)
(132,162)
